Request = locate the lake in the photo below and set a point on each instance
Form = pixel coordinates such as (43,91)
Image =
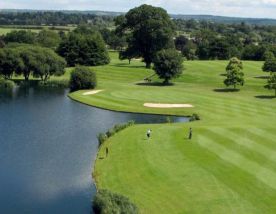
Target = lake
(48,146)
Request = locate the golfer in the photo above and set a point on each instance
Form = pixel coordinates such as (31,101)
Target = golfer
(106,151)
(149,133)
(190,133)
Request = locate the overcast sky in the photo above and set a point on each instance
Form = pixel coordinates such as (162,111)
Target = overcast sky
(238,8)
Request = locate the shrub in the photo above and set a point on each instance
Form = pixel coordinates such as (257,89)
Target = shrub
(6,84)
(82,78)
(194,117)
(168,119)
(55,84)
(102,137)
(108,202)
(110,132)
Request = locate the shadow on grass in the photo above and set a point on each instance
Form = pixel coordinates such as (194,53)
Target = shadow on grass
(226,90)
(123,65)
(159,84)
(265,97)
(224,75)
(261,77)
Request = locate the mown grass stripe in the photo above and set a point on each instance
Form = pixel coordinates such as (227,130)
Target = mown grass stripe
(263,174)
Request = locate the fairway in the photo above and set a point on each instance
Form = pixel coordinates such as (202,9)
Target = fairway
(228,166)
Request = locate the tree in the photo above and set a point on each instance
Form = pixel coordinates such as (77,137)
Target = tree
(114,41)
(234,74)
(128,54)
(40,62)
(168,64)
(48,38)
(47,63)
(20,36)
(219,49)
(271,82)
(150,29)
(84,47)
(186,46)
(268,55)
(253,52)
(180,42)
(270,63)
(82,78)
(9,61)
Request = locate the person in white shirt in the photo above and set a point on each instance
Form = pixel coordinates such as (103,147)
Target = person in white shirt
(149,133)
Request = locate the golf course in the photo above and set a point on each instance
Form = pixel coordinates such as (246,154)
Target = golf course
(229,166)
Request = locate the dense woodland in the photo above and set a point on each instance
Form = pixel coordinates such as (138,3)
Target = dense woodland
(204,39)
(53,18)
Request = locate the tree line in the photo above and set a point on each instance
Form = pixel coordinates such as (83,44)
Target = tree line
(206,40)
(145,32)
(53,18)
(47,53)
(30,60)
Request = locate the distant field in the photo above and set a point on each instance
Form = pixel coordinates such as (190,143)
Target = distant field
(6,29)
(228,166)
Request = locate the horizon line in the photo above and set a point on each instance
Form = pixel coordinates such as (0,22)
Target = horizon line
(110,11)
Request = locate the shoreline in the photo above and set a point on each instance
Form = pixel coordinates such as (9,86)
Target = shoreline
(121,111)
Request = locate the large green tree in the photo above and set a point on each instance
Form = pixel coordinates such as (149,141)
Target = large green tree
(150,29)
(168,64)
(40,62)
(84,47)
(234,74)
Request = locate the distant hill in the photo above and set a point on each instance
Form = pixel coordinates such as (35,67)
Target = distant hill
(217,19)
(227,20)
(91,12)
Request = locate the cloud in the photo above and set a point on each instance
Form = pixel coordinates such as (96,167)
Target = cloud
(238,8)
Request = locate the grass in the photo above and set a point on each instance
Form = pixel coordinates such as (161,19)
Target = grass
(228,166)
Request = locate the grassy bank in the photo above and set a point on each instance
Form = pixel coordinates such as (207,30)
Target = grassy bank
(228,166)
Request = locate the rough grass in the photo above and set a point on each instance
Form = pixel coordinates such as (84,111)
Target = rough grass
(228,167)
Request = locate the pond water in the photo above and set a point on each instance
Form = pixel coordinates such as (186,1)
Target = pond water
(47,148)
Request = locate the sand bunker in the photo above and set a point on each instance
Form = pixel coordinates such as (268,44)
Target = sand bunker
(91,92)
(163,105)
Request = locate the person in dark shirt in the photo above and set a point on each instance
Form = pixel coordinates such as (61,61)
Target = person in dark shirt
(190,133)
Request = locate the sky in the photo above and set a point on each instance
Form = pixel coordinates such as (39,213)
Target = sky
(235,8)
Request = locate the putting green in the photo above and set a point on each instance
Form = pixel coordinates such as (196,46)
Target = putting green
(228,167)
